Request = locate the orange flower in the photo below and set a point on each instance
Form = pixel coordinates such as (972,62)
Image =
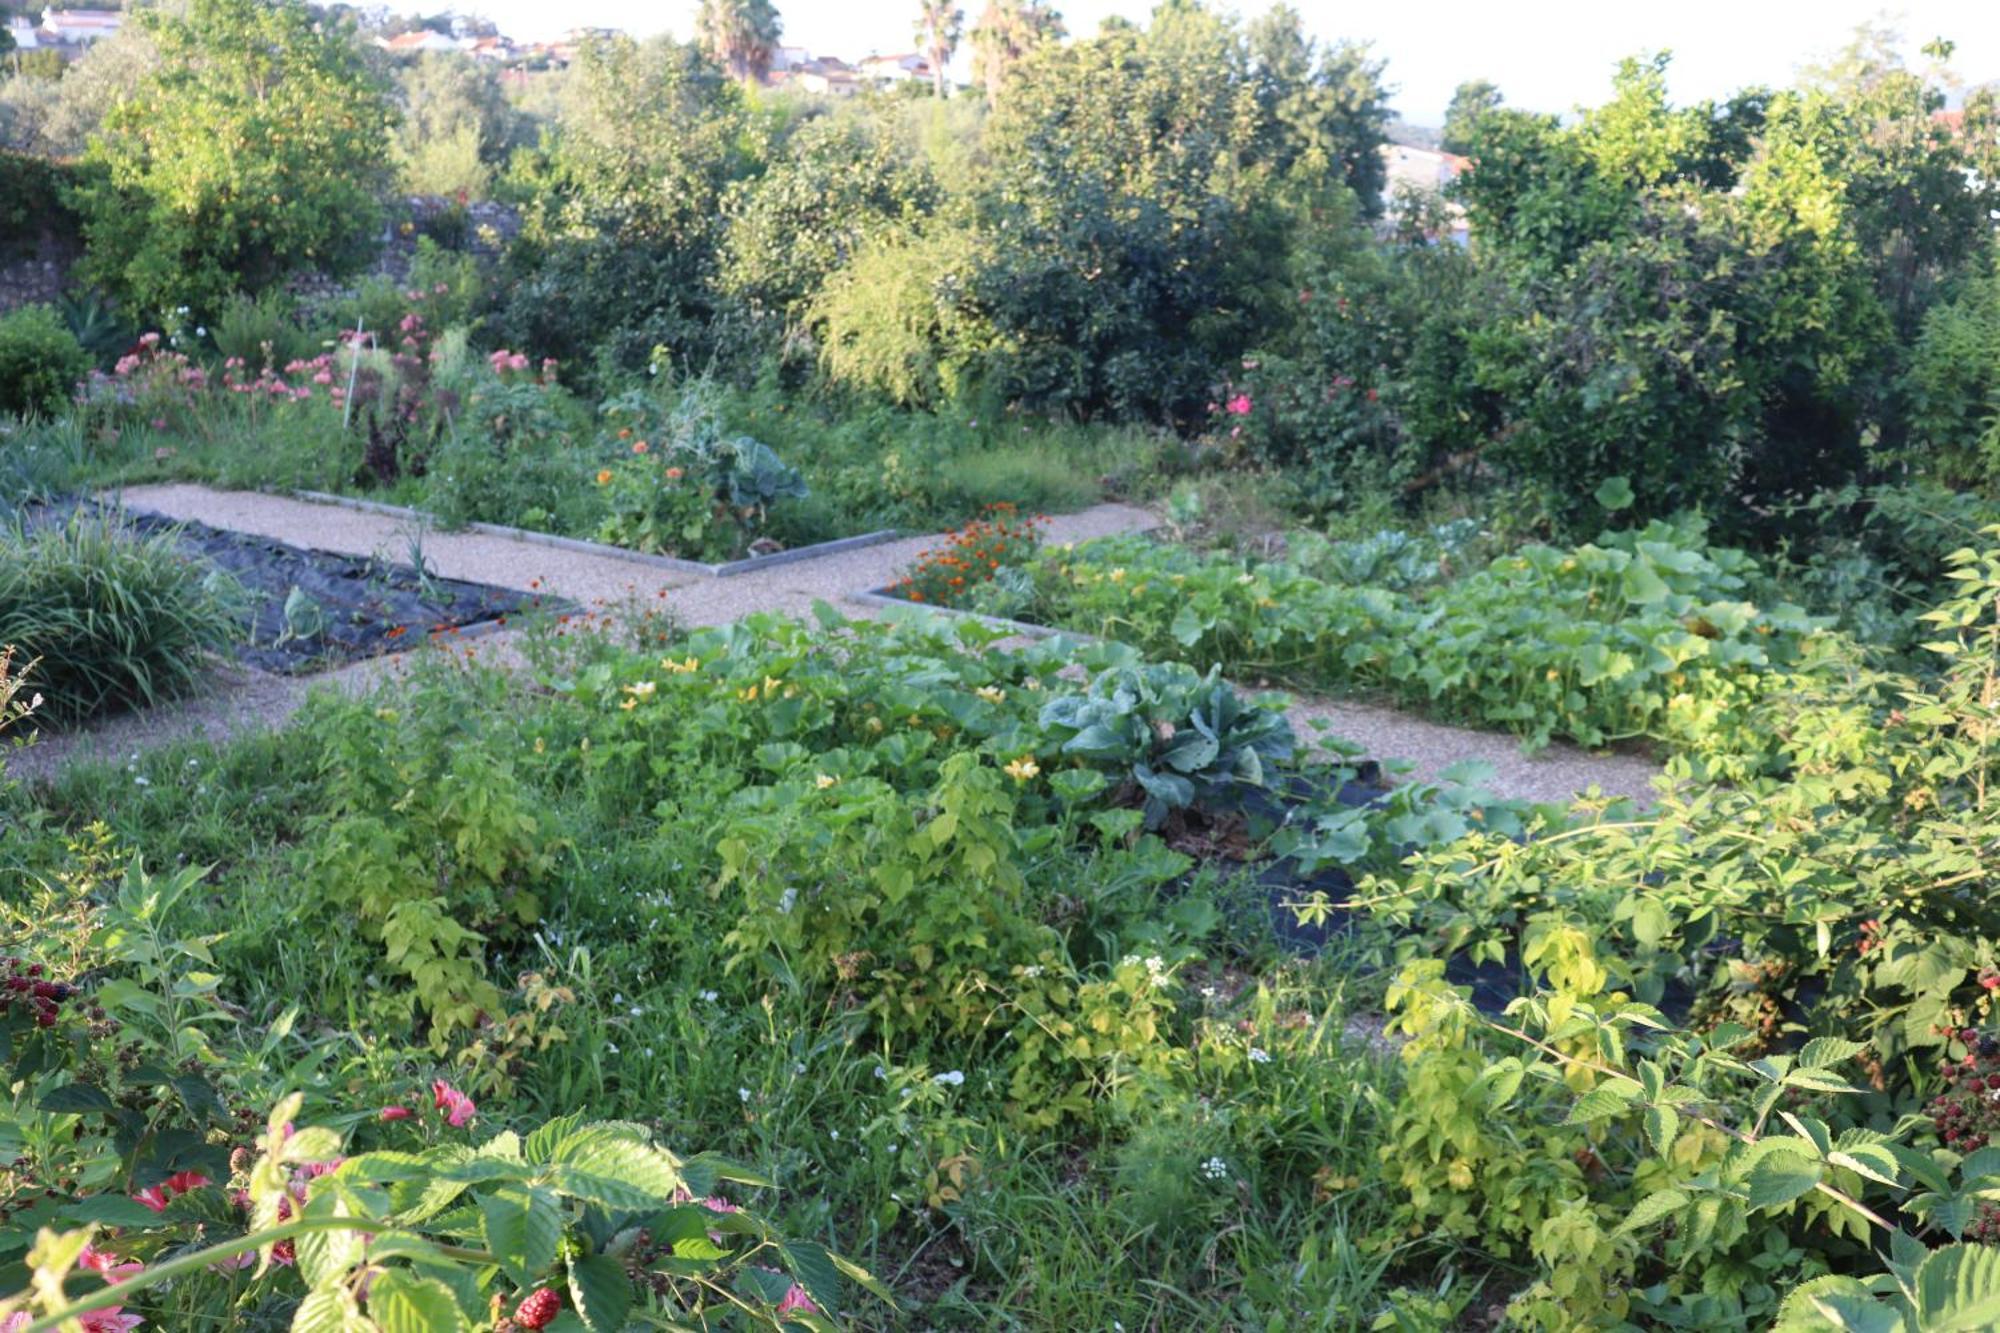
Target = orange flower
(640,447)
(674,474)
(604,477)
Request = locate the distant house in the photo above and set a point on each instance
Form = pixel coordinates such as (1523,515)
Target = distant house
(826,83)
(25,34)
(1424,171)
(497,49)
(421,41)
(790,58)
(1421,168)
(77,27)
(895,69)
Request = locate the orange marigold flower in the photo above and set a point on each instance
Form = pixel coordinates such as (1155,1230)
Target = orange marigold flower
(604,477)
(640,446)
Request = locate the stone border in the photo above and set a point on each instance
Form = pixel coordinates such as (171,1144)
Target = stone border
(883,597)
(602,551)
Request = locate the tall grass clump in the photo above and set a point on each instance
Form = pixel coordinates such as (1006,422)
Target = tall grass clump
(109,619)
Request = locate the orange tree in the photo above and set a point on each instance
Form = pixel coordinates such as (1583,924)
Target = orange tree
(257,145)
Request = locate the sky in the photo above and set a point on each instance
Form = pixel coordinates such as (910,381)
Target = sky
(1546,55)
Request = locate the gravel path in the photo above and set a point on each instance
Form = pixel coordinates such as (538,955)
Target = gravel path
(1555,773)
(247,700)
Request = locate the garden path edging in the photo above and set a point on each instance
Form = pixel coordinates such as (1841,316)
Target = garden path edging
(604,550)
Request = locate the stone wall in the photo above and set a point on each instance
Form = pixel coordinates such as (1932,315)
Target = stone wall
(481,227)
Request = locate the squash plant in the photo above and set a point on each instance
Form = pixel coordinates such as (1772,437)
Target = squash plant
(1642,634)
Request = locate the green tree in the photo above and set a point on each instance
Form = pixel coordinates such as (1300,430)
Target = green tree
(1007,31)
(1134,246)
(619,242)
(456,125)
(256,145)
(1469,101)
(740,35)
(1683,302)
(57,118)
(836,183)
(1323,109)
(940,24)
(1923,187)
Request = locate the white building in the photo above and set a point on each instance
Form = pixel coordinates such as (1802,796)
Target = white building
(895,69)
(420,41)
(77,27)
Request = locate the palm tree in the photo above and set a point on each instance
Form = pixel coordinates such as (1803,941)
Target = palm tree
(940,24)
(740,35)
(1008,30)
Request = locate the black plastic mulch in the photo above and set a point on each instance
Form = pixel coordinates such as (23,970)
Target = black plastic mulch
(343,608)
(1494,985)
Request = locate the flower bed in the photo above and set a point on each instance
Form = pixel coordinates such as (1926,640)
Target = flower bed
(415,421)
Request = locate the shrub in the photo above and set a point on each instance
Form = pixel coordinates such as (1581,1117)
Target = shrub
(41,361)
(32,204)
(209,184)
(262,332)
(897,319)
(115,620)
(431,847)
(1666,1123)
(1954,385)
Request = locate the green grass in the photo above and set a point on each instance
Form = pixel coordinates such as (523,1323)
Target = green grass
(975,1220)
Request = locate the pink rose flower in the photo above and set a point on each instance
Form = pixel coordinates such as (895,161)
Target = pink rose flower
(107,1265)
(457,1107)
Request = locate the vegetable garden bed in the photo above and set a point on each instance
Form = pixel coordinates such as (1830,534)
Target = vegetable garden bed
(305,610)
